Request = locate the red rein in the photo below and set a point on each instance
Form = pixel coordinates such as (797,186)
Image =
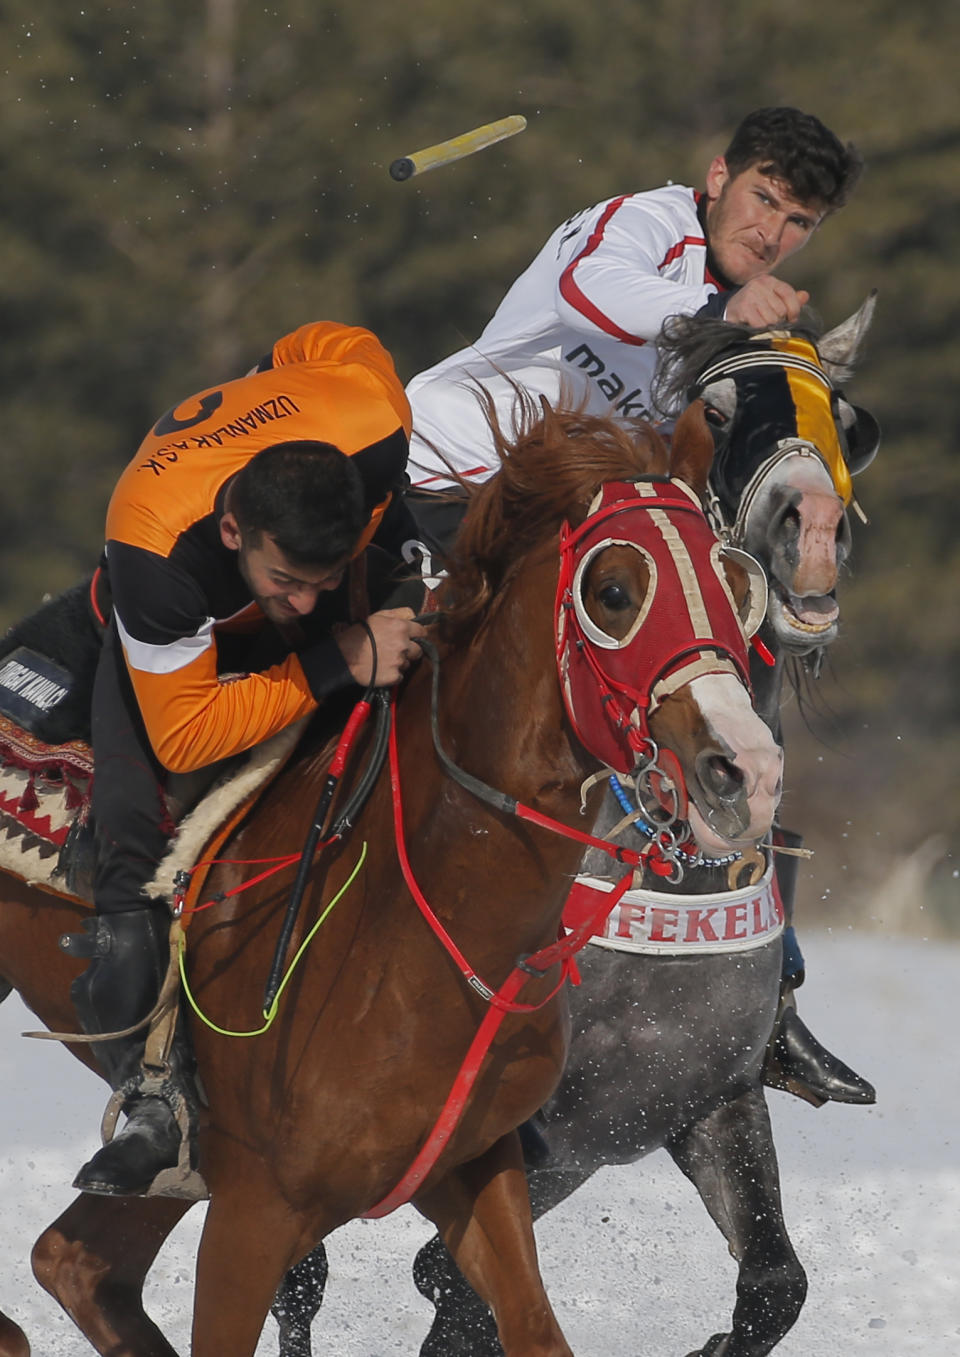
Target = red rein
(501,1001)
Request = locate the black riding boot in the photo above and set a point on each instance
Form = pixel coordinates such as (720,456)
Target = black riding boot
(795,1061)
(119,988)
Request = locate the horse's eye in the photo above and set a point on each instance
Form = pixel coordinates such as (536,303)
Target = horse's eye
(615,599)
(714,416)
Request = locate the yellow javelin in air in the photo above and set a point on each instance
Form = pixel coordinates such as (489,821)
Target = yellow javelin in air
(418,162)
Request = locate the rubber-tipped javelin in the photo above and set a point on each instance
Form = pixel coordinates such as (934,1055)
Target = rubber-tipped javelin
(445,152)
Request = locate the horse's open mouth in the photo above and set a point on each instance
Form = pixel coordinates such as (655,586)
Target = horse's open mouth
(812,616)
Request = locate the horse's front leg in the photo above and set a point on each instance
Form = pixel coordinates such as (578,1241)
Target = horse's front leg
(463,1325)
(482,1210)
(730,1159)
(251,1236)
(93,1259)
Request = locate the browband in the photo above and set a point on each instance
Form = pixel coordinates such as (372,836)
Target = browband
(766,358)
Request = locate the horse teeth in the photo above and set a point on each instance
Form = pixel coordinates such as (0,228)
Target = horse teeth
(791,616)
(797,625)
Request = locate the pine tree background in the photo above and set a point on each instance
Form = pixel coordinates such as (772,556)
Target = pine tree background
(183,183)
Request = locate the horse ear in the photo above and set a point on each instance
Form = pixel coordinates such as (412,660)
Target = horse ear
(651,442)
(840,347)
(691,448)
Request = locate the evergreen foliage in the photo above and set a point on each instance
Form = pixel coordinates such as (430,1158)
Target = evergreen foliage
(185,182)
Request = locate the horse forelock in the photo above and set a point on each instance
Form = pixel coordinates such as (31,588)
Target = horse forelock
(550,470)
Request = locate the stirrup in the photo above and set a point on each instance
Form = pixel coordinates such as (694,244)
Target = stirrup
(181,1180)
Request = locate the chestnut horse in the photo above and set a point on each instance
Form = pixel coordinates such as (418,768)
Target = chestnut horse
(317,1121)
(666,1051)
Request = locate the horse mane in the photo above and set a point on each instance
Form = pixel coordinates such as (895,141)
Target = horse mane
(687,345)
(549,471)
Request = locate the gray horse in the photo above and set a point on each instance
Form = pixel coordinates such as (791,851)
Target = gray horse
(672,1051)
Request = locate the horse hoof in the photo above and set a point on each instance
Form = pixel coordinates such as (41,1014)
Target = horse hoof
(13,1341)
(461,1341)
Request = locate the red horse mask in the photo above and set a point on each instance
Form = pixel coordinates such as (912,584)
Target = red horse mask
(689,623)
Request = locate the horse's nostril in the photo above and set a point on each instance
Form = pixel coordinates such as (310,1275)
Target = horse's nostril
(719,775)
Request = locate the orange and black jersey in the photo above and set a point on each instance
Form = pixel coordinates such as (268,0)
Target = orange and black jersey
(173,580)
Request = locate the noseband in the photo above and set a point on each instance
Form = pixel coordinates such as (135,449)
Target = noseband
(611,686)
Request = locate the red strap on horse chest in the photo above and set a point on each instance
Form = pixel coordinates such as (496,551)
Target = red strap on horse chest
(502,1001)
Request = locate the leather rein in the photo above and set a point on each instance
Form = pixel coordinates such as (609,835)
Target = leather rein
(528,966)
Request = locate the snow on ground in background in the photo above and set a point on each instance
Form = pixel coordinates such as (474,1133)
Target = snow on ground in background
(632,1262)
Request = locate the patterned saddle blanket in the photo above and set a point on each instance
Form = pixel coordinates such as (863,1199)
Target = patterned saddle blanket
(44,803)
(45,828)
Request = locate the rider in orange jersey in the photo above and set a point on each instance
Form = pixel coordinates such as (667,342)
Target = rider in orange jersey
(230,540)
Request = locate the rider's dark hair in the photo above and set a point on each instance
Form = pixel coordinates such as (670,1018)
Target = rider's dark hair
(786,144)
(308,496)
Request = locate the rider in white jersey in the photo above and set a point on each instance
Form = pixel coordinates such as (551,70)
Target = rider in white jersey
(581,321)
(581,324)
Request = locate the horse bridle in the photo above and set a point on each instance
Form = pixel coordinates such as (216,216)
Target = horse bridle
(787,353)
(610,687)
(785,449)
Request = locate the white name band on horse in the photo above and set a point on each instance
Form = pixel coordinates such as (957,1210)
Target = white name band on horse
(658,923)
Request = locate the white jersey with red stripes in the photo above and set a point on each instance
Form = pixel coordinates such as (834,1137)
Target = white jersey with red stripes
(578,323)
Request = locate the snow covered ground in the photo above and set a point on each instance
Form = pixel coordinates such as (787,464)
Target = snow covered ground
(632,1262)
